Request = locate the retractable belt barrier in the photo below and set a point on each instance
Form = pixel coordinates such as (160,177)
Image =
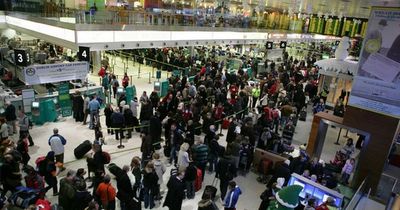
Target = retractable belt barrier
(143,126)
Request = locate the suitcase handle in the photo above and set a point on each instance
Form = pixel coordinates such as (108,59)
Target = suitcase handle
(215,181)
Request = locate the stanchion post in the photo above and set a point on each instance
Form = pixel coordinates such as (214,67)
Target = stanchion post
(338,137)
(149,78)
(347,134)
(138,76)
(120,146)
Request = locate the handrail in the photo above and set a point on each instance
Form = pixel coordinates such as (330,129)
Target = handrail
(358,195)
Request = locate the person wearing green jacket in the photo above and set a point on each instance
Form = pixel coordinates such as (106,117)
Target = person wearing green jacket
(67,191)
(255,92)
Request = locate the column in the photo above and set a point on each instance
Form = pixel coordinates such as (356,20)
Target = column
(96,60)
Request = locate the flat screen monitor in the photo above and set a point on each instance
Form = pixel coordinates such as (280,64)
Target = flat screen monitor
(298,183)
(325,197)
(35,104)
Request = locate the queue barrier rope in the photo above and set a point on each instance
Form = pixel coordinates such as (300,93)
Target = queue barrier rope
(146,125)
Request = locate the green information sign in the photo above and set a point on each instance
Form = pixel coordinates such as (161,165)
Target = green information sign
(164,88)
(64,100)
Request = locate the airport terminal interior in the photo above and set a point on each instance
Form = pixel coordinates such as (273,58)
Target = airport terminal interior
(228,104)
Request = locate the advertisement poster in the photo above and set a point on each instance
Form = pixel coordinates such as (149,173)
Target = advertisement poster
(58,72)
(64,99)
(377,84)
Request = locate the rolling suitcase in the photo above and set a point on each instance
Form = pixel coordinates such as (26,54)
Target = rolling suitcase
(225,123)
(82,149)
(211,190)
(303,115)
(115,170)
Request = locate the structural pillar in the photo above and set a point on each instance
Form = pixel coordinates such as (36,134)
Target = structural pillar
(96,59)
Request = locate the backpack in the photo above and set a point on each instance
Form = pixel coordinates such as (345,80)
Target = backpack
(41,165)
(24,197)
(21,147)
(107,157)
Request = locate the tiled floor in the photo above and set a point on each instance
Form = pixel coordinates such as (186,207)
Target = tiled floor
(75,133)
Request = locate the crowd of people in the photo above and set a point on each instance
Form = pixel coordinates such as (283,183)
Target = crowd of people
(184,127)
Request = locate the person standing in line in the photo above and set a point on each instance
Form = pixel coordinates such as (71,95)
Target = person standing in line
(125,194)
(86,109)
(94,107)
(200,154)
(176,191)
(160,169)
(232,197)
(118,121)
(108,112)
(107,193)
(183,156)
(24,127)
(3,129)
(225,172)
(57,142)
(11,117)
(67,191)
(134,107)
(150,185)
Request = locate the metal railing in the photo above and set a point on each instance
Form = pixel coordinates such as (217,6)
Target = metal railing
(115,16)
(358,195)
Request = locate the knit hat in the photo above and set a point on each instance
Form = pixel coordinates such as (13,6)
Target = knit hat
(289,196)
(279,182)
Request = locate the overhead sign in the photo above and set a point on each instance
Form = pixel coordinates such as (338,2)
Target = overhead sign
(269,45)
(377,84)
(21,57)
(84,54)
(49,73)
(282,44)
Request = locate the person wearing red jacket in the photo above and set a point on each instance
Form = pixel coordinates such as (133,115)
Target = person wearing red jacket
(102,72)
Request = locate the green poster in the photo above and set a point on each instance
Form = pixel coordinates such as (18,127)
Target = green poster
(64,100)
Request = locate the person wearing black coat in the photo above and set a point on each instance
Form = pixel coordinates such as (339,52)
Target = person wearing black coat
(155,130)
(190,178)
(266,196)
(108,112)
(225,172)
(146,148)
(77,107)
(82,197)
(282,170)
(176,191)
(129,121)
(125,192)
(11,117)
(231,135)
(118,121)
(150,185)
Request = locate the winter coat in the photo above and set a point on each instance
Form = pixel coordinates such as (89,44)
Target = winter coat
(67,193)
(232,197)
(160,169)
(175,193)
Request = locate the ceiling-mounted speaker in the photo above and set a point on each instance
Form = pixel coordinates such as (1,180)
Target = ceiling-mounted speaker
(122,45)
(164,43)
(106,46)
(151,44)
(187,43)
(176,43)
(137,45)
